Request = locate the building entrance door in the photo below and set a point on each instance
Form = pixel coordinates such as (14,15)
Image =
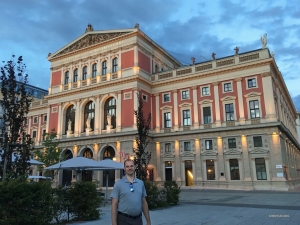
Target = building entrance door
(189,178)
(168,171)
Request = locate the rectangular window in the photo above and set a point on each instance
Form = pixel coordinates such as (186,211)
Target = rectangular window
(234,169)
(185,94)
(251,83)
(231,143)
(43,136)
(186,117)
(94,70)
(205,91)
(75,75)
(187,146)
(104,67)
(227,87)
(67,77)
(260,165)
(229,112)
(210,169)
(208,145)
(167,119)
(84,73)
(35,119)
(166,97)
(144,97)
(254,109)
(206,115)
(257,141)
(34,134)
(168,147)
(45,118)
(115,65)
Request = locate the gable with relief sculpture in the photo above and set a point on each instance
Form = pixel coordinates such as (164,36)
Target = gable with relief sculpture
(89,40)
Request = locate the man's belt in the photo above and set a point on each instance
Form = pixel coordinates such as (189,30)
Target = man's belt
(129,216)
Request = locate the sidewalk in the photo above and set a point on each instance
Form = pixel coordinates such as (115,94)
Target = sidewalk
(220,207)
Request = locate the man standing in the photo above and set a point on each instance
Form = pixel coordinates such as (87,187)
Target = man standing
(129,199)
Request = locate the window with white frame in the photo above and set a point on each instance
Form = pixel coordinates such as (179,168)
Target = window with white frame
(208,145)
(35,119)
(251,82)
(205,91)
(257,141)
(115,65)
(206,115)
(144,97)
(34,134)
(186,117)
(167,119)
(185,94)
(94,70)
(229,111)
(254,109)
(227,87)
(167,147)
(104,67)
(231,143)
(187,146)
(166,97)
(84,73)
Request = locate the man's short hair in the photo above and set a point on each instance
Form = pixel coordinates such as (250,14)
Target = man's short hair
(128,160)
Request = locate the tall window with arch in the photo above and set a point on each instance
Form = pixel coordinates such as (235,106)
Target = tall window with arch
(104,67)
(75,75)
(67,77)
(70,118)
(94,70)
(84,73)
(115,65)
(89,115)
(110,112)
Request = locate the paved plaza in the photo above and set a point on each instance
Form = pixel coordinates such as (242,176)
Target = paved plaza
(224,207)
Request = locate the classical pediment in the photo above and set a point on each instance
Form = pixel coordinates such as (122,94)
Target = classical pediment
(209,153)
(166,107)
(185,154)
(232,152)
(252,94)
(185,104)
(228,98)
(205,101)
(168,155)
(258,151)
(89,39)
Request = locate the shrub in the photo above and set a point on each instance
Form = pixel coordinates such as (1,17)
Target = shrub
(172,192)
(25,203)
(84,201)
(156,197)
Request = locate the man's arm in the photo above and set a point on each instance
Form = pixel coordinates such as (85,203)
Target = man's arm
(146,211)
(114,206)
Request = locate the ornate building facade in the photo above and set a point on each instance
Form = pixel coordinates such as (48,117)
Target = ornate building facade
(226,123)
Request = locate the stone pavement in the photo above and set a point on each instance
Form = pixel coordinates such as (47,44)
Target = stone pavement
(212,206)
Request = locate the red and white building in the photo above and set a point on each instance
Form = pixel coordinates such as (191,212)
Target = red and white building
(225,123)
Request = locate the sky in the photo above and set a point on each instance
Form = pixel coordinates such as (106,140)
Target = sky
(34,28)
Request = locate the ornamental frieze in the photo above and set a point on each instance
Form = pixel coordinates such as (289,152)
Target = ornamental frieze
(90,40)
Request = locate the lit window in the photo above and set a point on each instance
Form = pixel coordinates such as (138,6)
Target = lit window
(231,143)
(167,119)
(254,109)
(210,169)
(166,97)
(208,145)
(205,91)
(229,112)
(115,65)
(186,117)
(227,87)
(94,70)
(187,146)
(251,83)
(206,115)
(75,75)
(185,94)
(104,68)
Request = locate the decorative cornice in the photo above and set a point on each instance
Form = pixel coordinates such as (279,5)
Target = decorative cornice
(238,79)
(266,74)
(215,83)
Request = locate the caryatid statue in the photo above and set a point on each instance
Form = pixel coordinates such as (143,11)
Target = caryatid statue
(88,122)
(264,41)
(108,119)
(69,125)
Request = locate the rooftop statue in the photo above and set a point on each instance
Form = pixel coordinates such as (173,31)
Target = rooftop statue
(89,28)
(264,41)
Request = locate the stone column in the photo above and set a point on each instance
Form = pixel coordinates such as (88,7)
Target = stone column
(269,97)
(158,162)
(48,119)
(177,161)
(253,169)
(60,119)
(136,56)
(268,169)
(227,168)
(119,112)
(176,126)
(246,159)
(221,159)
(39,131)
(217,104)
(135,105)
(240,100)
(204,170)
(198,174)
(77,119)
(182,167)
(241,169)
(97,115)
(195,105)
(157,114)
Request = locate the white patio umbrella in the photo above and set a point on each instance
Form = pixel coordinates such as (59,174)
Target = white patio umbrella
(35,162)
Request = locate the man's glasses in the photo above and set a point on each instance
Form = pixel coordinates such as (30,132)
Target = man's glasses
(131,187)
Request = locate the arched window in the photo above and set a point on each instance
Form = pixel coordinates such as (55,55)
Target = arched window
(104,67)
(70,116)
(89,115)
(67,77)
(115,65)
(75,75)
(110,109)
(84,73)
(94,70)
(88,153)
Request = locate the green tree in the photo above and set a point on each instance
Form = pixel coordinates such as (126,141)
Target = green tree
(51,153)
(15,105)
(141,156)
